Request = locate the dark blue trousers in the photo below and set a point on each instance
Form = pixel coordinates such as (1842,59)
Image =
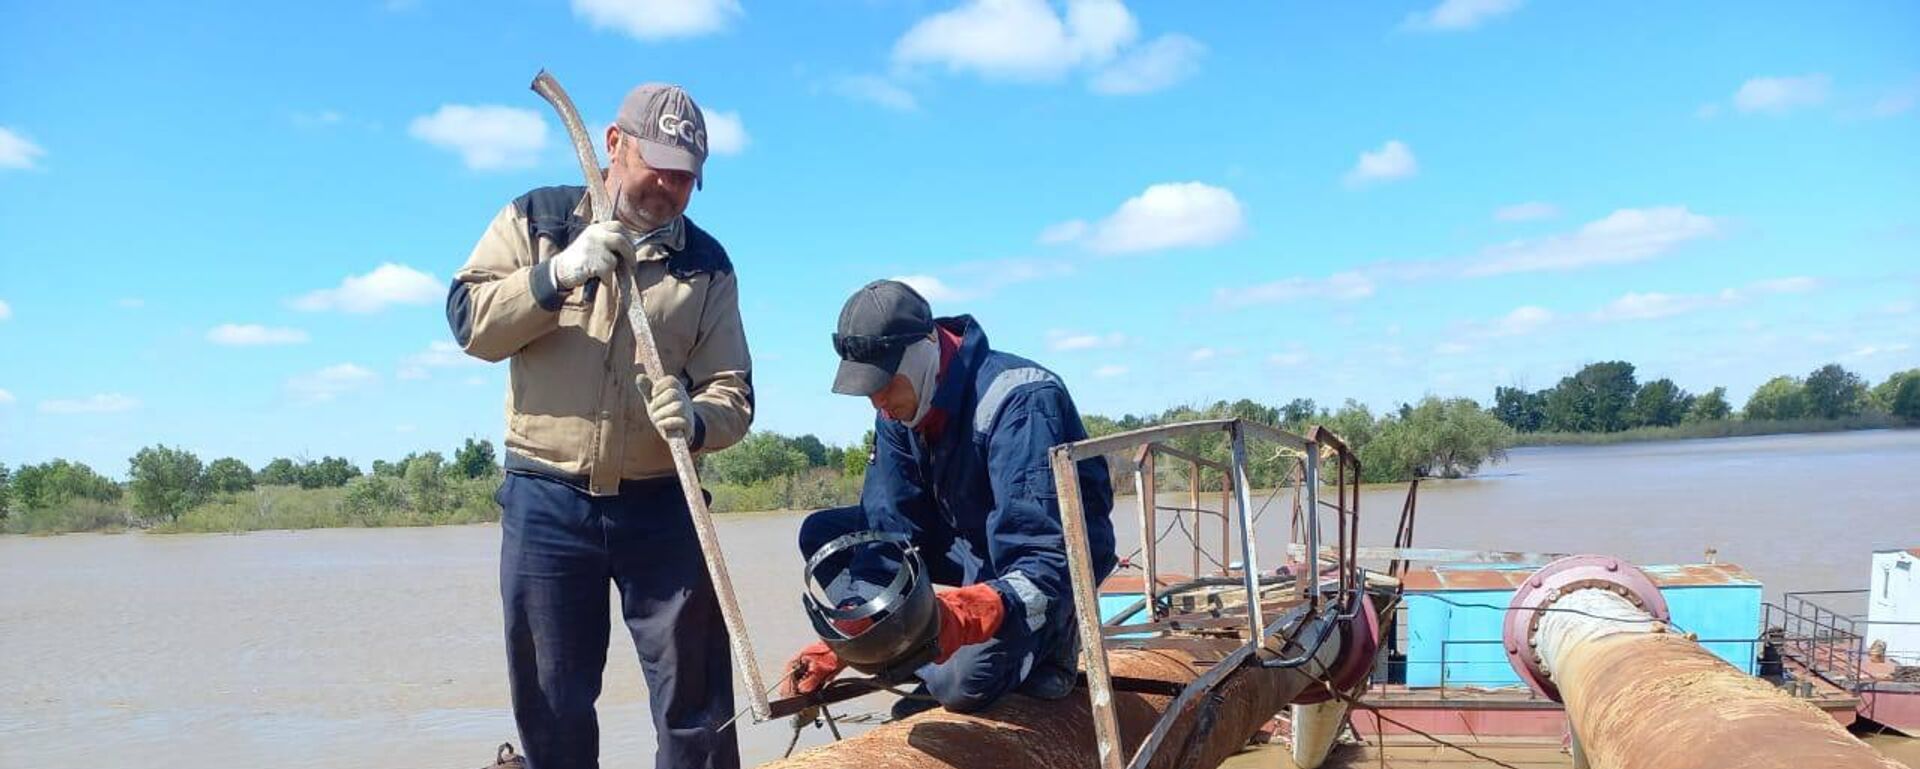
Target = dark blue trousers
(977,675)
(559,550)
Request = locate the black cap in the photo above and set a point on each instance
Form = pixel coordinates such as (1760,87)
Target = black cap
(877,325)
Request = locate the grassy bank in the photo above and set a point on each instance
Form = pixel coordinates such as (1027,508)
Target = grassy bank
(1722,428)
(373,505)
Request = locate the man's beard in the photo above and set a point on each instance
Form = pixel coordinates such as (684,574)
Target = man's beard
(639,218)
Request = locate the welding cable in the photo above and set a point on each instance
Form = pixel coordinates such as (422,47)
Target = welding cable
(1127,562)
(1544,609)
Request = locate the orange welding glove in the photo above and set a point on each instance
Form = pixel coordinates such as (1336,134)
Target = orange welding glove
(968,616)
(811,669)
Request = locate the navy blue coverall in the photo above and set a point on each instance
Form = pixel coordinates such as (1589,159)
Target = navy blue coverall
(980,503)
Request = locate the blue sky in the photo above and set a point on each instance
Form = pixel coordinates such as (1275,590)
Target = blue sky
(228,226)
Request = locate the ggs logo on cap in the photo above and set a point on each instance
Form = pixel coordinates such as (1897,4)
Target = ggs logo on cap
(674,125)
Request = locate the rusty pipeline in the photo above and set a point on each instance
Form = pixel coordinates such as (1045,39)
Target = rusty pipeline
(1025,732)
(1592,632)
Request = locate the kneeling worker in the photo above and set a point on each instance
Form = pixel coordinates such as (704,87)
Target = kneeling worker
(960,469)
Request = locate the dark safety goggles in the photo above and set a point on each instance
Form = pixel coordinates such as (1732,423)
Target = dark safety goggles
(862,349)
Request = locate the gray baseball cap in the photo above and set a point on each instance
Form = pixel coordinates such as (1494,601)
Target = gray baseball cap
(671,128)
(877,324)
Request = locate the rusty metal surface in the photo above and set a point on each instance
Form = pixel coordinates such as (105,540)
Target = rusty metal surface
(1449,577)
(1024,732)
(1660,701)
(1700,575)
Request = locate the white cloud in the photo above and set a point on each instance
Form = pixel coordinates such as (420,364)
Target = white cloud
(1394,160)
(1871,350)
(250,335)
(1526,212)
(1897,101)
(1109,371)
(1339,286)
(1454,15)
(659,19)
(6,311)
(1798,284)
(439,354)
(325,117)
(1707,111)
(1523,320)
(132,303)
(1200,354)
(16,152)
(930,287)
(1778,95)
(1898,307)
(104,403)
(1063,341)
(1452,348)
(1167,60)
(1292,356)
(388,284)
(1063,232)
(1651,305)
(6,398)
(726,135)
(1626,235)
(977,279)
(330,382)
(487,137)
(1172,215)
(1018,39)
(877,90)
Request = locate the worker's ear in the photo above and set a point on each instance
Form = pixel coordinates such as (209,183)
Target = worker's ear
(613,142)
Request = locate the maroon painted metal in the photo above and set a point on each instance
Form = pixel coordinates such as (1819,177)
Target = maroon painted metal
(1359,642)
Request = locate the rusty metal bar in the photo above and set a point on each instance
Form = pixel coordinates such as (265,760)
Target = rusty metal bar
(1193,499)
(1311,484)
(1269,433)
(1249,558)
(1117,442)
(1086,605)
(1145,486)
(1161,448)
(1226,524)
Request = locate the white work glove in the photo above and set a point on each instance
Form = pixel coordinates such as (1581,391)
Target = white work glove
(667,405)
(592,254)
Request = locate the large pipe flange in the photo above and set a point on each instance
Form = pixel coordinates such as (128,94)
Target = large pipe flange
(1577,572)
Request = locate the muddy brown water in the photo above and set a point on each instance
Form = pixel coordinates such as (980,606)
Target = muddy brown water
(382,648)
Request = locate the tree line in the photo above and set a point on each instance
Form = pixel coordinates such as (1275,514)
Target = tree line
(1434,437)
(1605,397)
(163,482)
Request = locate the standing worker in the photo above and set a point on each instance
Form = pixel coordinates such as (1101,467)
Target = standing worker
(590,494)
(960,469)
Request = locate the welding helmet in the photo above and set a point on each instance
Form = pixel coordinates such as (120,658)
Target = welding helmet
(893,632)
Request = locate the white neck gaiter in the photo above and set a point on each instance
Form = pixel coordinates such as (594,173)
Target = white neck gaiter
(920,364)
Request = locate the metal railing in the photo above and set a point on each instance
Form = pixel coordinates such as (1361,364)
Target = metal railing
(1145,447)
(1827,642)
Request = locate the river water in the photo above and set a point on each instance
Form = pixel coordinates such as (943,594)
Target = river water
(382,648)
